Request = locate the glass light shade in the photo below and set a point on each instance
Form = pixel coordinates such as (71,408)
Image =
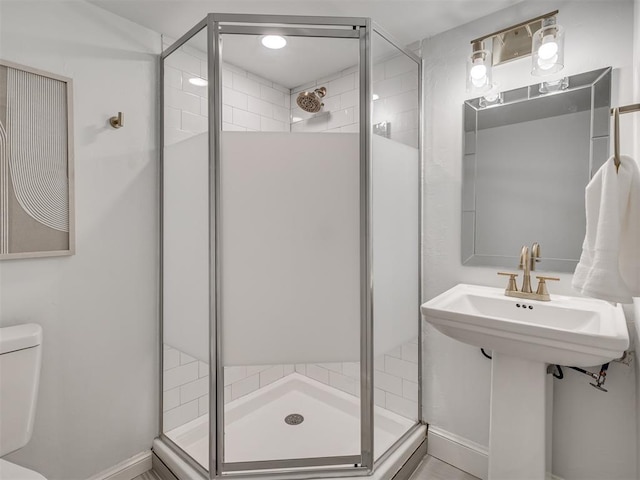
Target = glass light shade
(479,71)
(547,53)
(491,97)
(554,86)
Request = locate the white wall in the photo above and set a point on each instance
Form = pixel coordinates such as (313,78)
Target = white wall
(98,392)
(594,433)
(636,75)
(636,120)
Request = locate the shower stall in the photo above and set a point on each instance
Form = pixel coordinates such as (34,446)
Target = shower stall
(290,250)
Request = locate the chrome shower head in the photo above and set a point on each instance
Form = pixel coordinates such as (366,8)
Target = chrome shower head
(311,101)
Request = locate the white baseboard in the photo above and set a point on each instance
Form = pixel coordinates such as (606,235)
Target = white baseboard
(127,470)
(462,453)
(459,452)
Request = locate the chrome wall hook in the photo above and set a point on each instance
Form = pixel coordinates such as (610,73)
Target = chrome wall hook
(117,122)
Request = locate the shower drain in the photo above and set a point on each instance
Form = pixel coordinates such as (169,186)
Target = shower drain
(294,419)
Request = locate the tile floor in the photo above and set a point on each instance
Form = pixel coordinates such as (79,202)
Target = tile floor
(433,469)
(150,475)
(430,469)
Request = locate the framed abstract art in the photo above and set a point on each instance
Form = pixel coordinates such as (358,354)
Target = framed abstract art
(36,163)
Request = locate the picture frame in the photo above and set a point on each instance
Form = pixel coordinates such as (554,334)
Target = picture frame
(37,202)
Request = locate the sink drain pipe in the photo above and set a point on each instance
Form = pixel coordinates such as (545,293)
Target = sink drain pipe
(600,377)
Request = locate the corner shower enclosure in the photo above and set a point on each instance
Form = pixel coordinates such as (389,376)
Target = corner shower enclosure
(290,243)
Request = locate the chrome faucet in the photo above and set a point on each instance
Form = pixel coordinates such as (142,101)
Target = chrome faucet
(528,260)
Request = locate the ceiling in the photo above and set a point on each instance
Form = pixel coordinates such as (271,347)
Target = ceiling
(407,20)
(304,59)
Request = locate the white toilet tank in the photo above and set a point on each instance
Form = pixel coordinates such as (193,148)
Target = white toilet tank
(20,358)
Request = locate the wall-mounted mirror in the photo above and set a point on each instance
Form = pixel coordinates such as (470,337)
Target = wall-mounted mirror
(528,157)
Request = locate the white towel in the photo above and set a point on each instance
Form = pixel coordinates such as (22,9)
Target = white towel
(609,267)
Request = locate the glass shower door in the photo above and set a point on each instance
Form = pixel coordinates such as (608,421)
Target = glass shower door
(186,287)
(289,251)
(395,238)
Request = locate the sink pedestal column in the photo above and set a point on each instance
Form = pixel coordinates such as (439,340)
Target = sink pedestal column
(518,433)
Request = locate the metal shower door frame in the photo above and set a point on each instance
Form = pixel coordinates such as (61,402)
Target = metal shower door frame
(309,26)
(241,24)
(196,29)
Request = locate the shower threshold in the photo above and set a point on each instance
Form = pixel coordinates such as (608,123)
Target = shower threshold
(256,430)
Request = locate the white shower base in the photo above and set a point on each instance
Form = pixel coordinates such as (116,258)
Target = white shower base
(255,429)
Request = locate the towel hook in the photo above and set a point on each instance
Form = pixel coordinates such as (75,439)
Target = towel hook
(616,137)
(117,122)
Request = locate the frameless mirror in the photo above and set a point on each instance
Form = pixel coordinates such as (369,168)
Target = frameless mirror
(528,156)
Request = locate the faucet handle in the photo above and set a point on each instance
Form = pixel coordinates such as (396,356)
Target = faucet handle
(511,286)
(542,285)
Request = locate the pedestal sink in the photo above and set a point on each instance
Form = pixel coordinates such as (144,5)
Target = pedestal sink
(525,336)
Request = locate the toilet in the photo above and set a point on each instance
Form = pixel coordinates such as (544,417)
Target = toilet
(20,358)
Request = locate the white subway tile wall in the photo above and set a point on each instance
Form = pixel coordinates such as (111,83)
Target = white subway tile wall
(254,103)
(340,111)
(395,378)
(186,382)
(186,385)
(395,86)
(250,102)
(395,83)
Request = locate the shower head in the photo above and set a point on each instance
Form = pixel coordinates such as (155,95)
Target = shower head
(311,101)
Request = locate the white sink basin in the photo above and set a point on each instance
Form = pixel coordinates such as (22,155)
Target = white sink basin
(569,331)
(525,336)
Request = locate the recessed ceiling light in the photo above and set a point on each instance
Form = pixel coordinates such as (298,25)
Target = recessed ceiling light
(274,41)
(198,82)
(375,96)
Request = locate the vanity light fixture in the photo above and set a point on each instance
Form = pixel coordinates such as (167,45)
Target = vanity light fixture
(540,37)
(274,42)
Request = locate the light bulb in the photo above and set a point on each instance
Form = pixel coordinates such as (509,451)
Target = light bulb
(549,48)
(274,42)
(479,82)
(478,74)
(547,63)
(478,71)
(375,96)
